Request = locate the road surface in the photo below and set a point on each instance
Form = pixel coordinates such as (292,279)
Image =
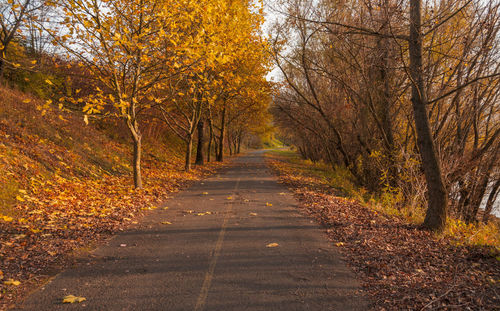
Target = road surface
(221,260)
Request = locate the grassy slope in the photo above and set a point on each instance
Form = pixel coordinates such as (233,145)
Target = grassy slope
(65,184)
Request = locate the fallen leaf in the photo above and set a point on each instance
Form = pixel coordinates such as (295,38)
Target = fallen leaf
(51,253)
(339,244)
(73,299)
(205,193)
(7,218)
(12,282)
(229,198)
(282,193)
(272,245)
(253,214)
(268,204)
(166,223)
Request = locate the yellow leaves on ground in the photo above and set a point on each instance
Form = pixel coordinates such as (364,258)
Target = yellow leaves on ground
(338,244)
(268,204)
(229,198)
(150,208)
(253,214)
(282,193)
(166,223)
(203,213)
(6,218)
(205,193)
(12,282)
(272,245)
(73,299)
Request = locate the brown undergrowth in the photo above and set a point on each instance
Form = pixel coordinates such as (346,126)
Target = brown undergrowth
(401,266)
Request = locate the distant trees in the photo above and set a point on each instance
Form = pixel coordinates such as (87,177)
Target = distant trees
(351,70)
(14,14)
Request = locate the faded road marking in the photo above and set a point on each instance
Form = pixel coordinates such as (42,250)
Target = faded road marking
(202,298)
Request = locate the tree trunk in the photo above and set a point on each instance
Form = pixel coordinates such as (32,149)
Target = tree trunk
(2,64)
(238,148)
(435,218)
(220,154)
(201,141)
(189,148)
(136,164)
(210,139)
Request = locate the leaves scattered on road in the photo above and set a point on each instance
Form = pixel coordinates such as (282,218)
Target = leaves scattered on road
(272,245)
(73,299)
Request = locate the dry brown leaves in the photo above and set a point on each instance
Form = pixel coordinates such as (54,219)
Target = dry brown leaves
(401,266)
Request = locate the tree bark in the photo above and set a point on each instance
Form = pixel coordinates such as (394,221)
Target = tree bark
(238,148)
(437,209)
(136,164)
(189,148)
(220,153)
(210,139)
(201,141)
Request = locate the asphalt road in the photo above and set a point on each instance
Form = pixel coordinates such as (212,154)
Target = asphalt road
(217,261)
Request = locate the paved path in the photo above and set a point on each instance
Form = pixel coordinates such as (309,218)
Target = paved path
(217,261)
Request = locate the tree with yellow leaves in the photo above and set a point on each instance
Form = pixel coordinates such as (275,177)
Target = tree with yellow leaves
(130,49)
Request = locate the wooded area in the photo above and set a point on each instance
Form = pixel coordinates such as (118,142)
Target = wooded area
(109,106)
(154,65)
(404,94)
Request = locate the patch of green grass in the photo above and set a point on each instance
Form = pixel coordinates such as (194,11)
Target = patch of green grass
(337,178)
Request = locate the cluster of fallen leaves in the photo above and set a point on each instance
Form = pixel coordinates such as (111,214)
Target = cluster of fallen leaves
(68,214)
(401,266)
(62,191)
